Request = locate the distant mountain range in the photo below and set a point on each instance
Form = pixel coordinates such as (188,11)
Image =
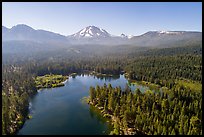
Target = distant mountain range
(98,36)
(26,33)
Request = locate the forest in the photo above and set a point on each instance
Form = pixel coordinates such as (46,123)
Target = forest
(17,89)
(176,112)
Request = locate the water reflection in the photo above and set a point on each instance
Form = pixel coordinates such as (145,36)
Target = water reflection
(60,110)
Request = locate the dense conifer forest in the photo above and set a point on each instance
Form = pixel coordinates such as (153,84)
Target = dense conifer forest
(176,111)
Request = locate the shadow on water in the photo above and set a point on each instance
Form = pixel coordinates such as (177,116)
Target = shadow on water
(95,113)
(62,106)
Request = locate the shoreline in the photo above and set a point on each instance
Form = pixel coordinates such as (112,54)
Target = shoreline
(65,81)
(27,116)
(112,120)
(39,90)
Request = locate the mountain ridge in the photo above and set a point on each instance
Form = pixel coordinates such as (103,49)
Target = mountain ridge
(151,31)
(95,35)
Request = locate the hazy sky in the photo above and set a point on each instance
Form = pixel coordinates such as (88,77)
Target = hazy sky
(131,18)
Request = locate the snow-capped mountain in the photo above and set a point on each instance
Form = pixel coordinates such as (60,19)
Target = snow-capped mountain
(170,32)
(165,38)
(95,35)
(123,36)
(91,32)
(126,36)
(98,36)
(162,33)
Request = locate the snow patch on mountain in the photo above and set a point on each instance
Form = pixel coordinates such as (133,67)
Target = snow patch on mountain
(169,32)
(126,36)
(130,36)
(91,32)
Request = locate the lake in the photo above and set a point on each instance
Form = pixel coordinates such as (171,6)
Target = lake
(60,111)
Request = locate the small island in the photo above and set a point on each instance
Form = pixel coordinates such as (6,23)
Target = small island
(50,81)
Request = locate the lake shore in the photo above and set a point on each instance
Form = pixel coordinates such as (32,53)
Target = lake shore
(100,125)
(113,119)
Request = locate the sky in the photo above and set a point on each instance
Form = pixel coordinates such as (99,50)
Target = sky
(130,18)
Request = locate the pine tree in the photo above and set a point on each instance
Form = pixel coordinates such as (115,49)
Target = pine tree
(105,105)
(180,130)
(164,132)
(111,102)
(92,93)
(116,128)
(159,129)
(173,132)
(116,112)
(185,131)
(124,121)
(138,92)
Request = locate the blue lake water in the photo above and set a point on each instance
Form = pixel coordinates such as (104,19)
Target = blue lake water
(60,111)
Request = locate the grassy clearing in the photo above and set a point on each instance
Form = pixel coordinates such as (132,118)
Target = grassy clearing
(50,81)
(189,84)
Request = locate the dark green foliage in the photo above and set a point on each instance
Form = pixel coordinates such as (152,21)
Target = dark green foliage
(17,88)
(163,70)
(153,113)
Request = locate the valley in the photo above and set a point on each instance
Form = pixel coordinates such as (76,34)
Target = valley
(102,68)
(156,89)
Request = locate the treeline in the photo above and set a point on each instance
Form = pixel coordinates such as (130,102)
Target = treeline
(17,88)
(178,112)
(164,70)
(177,50)
(105,65)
